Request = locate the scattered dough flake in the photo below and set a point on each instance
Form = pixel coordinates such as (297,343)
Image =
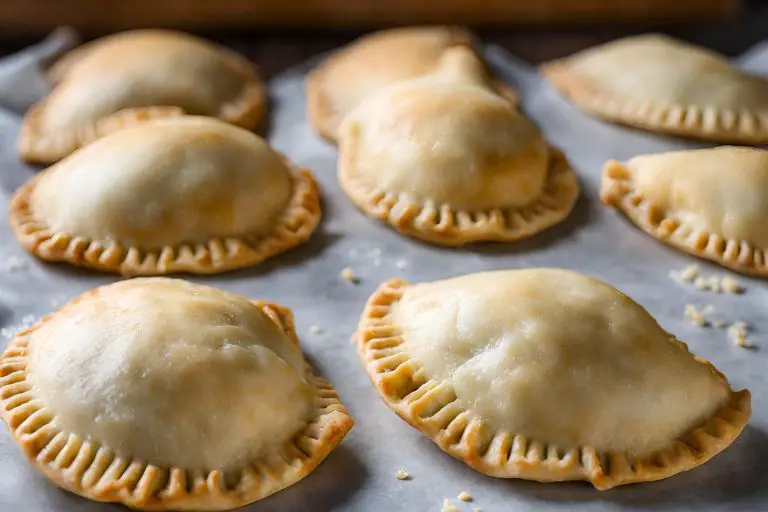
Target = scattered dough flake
(731,285)
(401,264)
(449,507)
(464,496)
(402,474)
(694,315)
(315,329)
(689,273)
(476,510)
(348,274)
(718,323)
(738,334)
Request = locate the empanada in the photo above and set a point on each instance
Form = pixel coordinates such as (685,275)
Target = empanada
(167,395)
(184,194)
(712,203)
(377,61)
(547,375)
(445,159)
(661,84)
(132,76)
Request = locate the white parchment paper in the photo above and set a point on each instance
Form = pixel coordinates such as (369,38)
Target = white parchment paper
(359,476)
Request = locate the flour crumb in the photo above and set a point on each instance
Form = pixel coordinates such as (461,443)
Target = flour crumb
(26,322)
(708,310)
(737,333)
(348,274)
(731,285)
(689,273)
(401,264)
(315,329)
(402,474)
(449,507)
(694,315)
(718,323)
(464,496)
(14,264)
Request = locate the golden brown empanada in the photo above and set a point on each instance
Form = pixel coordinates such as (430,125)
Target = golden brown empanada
(661,84)
(712,203)
(184,194)
(445,159)
(547,375)
(377,61)
(132,76)
(167,395)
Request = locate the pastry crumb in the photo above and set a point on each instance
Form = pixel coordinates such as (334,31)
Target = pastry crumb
(348,274)
(718,323)
(449,507)
(401,264)
(700,283)
(315,329)
(689,273)
(737,333)
(708,310)
(402,474)
(694,315)
(476,510)
(464,496)
(731,285)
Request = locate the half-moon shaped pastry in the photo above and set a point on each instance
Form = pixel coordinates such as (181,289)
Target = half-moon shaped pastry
(185,194)
(712,203)
(374,62)
(162,394)
(444,159)
(548,375)
(129,77)
(660,84)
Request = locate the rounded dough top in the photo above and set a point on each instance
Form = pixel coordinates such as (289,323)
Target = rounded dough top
(447,139)
(166,182)
(171,373)
(143,68)
(721,190)
(665,71)
(558,357)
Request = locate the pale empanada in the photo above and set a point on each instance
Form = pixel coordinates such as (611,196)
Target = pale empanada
(374,62)
(660,84)
(184,194)
(444,159)
(129,77)
(167,395)
(548,375)
(712,203)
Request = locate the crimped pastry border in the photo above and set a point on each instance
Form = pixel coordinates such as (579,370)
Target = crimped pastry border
(617,190)
(705,122)
(432,407)
(34,146)
(86,468)
(442,225)
(294,226)
(321,113)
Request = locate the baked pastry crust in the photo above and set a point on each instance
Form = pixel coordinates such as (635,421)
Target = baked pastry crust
(664,85)
(126,78)
(707,202)
(465,341)
(96,471)
(376,61)
(444,159)
(165,240)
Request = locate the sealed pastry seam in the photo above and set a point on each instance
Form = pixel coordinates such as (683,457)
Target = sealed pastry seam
(95,471)
(246,110)
(432,407)
(702,121)
(617,190)
(295,225)
(444,225)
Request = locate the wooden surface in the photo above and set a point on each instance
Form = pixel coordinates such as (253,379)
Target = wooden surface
(35,17)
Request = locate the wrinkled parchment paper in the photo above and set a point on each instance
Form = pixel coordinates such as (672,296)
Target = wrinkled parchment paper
(360,475)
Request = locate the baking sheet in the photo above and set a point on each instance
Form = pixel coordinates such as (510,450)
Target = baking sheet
(359,476)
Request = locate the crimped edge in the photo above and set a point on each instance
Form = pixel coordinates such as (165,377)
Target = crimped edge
(706,122)
(440,224)
(617,190)
(321,114)
(94,471)
(294,226)
(432,407)
(34,146)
